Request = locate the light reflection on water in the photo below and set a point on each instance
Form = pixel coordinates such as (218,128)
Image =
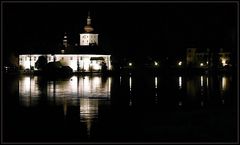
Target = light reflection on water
(130,91)
(156,87)
(29,91)
(87,91)
(88,94)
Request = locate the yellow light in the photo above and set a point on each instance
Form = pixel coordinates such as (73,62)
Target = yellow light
(130,64)
(201,64)
(155,63)
(224,61)
(180,63)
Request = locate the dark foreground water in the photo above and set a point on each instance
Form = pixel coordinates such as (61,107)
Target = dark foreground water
(142,108)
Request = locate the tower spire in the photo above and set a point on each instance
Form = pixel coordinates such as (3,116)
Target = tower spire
(88,27)
(89,19)
(65,40)
(88,38)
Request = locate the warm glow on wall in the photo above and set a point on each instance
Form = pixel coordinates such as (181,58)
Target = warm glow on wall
(73,64)
(70,60)
(95,65)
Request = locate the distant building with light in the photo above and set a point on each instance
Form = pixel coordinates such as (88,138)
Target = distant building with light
(88,56)
(203,58)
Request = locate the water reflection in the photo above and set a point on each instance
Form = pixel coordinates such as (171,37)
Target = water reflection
(180,82)
(86,93)
(29,91)
(201,89)
(130,91)
(225,85)
(201,81)
(156,89)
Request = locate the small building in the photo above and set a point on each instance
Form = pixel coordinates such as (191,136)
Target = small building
(203,57)
(85,57)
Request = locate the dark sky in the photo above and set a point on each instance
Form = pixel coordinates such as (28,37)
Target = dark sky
(124,28)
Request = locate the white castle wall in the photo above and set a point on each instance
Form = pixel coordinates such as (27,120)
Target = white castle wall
(73,60)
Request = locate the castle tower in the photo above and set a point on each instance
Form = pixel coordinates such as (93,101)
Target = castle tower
(65,43)
(88,38)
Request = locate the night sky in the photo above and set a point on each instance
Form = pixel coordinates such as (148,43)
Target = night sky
(125,29)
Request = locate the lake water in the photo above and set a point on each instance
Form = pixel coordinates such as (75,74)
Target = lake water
(131,108)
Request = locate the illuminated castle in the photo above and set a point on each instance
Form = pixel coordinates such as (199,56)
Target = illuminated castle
(88,57)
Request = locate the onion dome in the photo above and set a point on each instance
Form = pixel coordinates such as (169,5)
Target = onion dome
(88,28)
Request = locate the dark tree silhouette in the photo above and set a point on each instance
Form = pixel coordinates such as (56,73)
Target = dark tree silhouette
(41,62)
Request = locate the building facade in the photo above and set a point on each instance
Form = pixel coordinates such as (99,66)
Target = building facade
(88,57)
(203,58)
